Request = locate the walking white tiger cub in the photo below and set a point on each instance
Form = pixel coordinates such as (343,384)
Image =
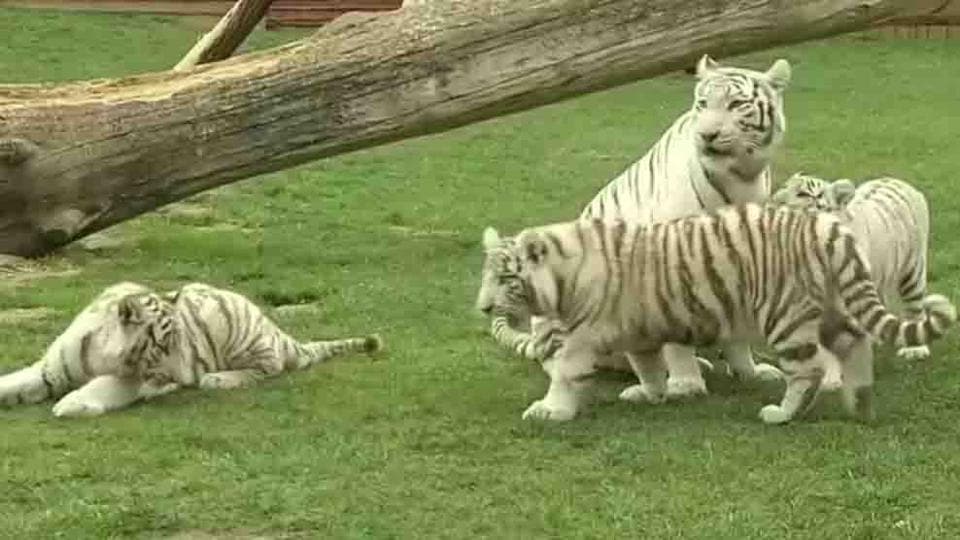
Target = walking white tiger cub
(131,343)
(891,220)
(792,278)
(716,153)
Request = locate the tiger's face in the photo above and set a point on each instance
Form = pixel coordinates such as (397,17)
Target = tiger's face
(133,337)
(805,191)
(519,276)
(502,288)
(738,113)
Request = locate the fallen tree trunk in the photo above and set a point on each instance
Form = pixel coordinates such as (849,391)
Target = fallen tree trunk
(79,157)
(229,32)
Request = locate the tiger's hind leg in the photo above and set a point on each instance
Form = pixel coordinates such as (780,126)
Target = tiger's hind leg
(912,290)
(261,361)
(228,380)
(685,379)
(652,372)
(857,386)
(804,365)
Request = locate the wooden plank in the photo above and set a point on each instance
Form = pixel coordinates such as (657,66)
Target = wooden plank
(318,12)
(165,7)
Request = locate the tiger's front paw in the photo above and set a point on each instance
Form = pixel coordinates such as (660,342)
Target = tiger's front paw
(640,393)
(686,387)
(774,414)
(75,405)
(914,353)
(539,410)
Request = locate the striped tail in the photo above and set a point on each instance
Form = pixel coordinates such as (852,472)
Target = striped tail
(870,313)
(537,347)
(315,352)
(28,386)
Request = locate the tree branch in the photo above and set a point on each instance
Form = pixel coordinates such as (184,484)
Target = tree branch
(229,32)
(109,150)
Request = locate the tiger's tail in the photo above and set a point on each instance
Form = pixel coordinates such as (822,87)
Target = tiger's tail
(938,315)
(27,385)
(521,343)
(537,346)
(862,302)
(315,352)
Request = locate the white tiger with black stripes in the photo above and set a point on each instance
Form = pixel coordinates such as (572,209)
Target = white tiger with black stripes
(891,220)
(793,279)
(132,344)
(716,153)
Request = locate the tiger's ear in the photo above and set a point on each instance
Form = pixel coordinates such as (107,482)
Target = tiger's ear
(779,75)
(534,248)
(705,66)
(127,310)
(491,238)
(842,191)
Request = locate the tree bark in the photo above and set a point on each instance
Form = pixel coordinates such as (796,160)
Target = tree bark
(79,157)
(220,42)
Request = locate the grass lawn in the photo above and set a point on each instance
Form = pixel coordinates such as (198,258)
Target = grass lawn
(428,441)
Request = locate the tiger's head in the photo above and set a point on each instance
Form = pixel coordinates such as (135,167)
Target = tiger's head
(516,281)
(804,191)
(134,336)
(738,113)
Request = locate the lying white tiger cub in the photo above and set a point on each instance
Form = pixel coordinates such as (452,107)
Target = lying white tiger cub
(791,278)
(891,220)
(131,344)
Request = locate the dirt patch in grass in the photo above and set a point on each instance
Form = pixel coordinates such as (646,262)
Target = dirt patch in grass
(410,231)
(238,535)
(17,271)
(19,315)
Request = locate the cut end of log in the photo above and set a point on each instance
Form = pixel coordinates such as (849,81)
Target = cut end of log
(16,151)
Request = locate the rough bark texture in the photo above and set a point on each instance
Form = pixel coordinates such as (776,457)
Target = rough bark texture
(79,157)
(220,42)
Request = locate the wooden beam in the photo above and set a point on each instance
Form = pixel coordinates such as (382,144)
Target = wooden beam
(91,154)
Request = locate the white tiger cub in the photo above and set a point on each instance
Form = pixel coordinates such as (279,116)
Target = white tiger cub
(131,344)
(716,153)
(793,279)
(891,220)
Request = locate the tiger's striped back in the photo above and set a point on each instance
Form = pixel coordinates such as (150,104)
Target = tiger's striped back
(743,272)
(792,278)
(218,330)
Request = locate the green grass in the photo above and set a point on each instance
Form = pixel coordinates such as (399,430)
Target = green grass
(428,442)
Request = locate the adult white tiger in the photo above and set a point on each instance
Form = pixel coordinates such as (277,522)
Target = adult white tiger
(131,344)
(891,220)
(792,278)
(716,153)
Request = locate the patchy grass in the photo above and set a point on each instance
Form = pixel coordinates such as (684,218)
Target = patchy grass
(428,441)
